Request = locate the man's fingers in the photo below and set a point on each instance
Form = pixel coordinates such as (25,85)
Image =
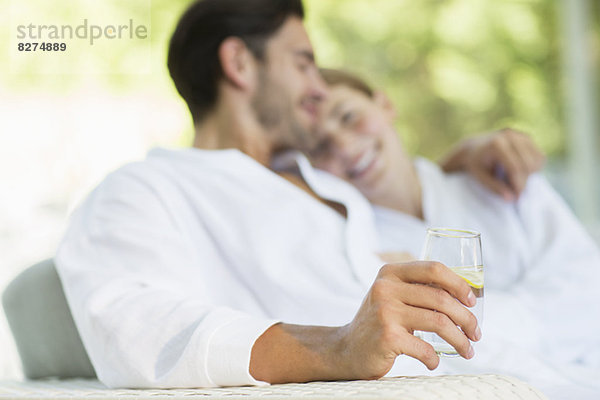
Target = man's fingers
(431,273)
(420,350)
(437,322)
(511,162)
(514,151)
(436,299)
(532,157)
(525,157)
(524,148)
(495,183)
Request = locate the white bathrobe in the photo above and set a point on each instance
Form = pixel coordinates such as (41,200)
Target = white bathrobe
(542,274)
(175,265)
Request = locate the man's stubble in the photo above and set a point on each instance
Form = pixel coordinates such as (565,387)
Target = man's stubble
(274,110)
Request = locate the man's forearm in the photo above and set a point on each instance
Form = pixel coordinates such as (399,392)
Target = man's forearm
(419,295)
(295,353)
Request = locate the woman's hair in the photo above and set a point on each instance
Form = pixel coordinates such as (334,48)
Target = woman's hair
(339,77)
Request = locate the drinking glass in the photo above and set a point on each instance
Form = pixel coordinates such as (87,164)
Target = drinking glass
(460,250)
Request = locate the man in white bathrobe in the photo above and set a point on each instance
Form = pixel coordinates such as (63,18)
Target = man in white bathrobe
(203,267)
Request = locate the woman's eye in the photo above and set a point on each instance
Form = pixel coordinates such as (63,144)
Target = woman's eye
(348,117)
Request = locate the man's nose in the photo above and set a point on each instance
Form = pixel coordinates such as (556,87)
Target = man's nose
(319,88)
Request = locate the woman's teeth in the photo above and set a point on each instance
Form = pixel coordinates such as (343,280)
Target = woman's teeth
(363,162)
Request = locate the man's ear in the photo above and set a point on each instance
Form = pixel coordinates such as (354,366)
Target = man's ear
(237,62)
(385,103)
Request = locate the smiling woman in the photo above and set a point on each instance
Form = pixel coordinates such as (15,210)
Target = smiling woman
(454,69)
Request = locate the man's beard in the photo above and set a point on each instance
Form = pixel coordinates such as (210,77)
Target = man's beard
(274,111)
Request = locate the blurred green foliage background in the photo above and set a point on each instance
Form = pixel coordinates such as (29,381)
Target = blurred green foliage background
(453,68)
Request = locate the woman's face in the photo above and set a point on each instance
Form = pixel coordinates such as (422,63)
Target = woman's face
(358,142)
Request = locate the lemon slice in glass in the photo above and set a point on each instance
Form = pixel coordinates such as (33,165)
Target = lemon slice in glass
(473,278)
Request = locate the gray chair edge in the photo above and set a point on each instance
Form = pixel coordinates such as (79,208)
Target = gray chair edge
(45,334)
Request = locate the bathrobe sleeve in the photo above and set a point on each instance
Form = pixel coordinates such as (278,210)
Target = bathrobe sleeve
(562,273)
(123,266)
(562,254)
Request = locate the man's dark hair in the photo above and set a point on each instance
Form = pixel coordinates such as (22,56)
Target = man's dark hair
(193,52)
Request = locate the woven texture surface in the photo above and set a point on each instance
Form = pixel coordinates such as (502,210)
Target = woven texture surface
(463,387)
